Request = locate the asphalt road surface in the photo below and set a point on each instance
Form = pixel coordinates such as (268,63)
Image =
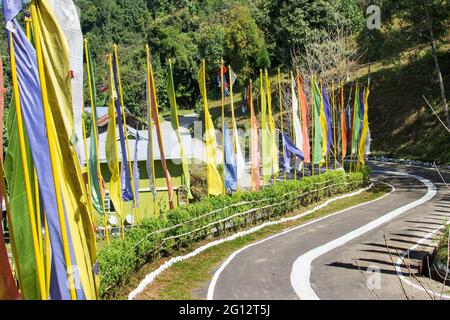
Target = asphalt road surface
(344,255)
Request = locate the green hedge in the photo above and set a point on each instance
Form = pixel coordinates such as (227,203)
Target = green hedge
(144,243)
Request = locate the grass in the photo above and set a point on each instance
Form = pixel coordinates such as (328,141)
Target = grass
(187,279)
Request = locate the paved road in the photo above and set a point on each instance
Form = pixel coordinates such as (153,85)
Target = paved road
(337,256)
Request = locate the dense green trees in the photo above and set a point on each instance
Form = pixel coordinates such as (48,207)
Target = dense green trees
(248,34)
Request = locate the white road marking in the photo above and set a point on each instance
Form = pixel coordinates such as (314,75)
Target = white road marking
(405,255)
(149,278)
(301,269)
(213,283)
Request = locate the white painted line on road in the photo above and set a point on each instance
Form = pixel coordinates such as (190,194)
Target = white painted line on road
(405,255)
(301,269)
(213,283)
(149,278)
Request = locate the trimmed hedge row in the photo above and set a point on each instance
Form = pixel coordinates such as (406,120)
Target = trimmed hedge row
(184,226)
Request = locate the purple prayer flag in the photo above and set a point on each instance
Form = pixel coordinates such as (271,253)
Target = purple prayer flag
(230,162)
(127,191)
(290,149)
(327,106)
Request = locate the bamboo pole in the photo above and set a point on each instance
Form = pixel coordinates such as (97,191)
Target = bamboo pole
(222,88)
(312,125)
(52,140)
(26,171)
(252,169)
(334,124)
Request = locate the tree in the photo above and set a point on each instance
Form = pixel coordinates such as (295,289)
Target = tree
(428,20)
(245,46)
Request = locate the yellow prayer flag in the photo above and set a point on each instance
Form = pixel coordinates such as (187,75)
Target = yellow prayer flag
(111,150)
(365,128)
(215,184)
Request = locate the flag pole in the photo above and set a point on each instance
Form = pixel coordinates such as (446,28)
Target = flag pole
(281,113)
(222,88)
(252,169)
(312,125)
(52,143)
(233,120)
(343,124)
(34,233)
(136,216)
(94,124)
(262,124)
(334,124)
(353,126)
(83,126)
(150,130)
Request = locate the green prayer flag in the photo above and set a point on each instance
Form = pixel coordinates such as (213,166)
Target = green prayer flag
(318,134)
(94,174)
(356,122)
(20,216)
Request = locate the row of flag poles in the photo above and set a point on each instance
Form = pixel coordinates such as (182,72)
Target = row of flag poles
(52,210)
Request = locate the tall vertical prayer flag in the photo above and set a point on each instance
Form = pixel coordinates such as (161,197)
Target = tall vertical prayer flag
(66,13)
(343,124)
(298,133)
(215,185)
(8,289)
(127,189)
(111,148)
(318,128)
(290,149)
(267,160)
(328,117)
(305,116)
(155,117)
(94,163)
(254,143)
(240,161)
(356,122)
(57,167)
(150,158)
(230,162)
(365,129)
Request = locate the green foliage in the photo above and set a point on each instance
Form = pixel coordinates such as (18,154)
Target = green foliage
(248,34)
(119,260)
(292,23)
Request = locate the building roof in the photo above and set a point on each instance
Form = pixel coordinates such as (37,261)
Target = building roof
(194,149)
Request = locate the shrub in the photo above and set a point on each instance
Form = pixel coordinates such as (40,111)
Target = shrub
(184,226)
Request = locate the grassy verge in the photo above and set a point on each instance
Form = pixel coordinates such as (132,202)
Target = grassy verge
(187,279)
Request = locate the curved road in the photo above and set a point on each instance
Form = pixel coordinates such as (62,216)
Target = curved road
(342,255)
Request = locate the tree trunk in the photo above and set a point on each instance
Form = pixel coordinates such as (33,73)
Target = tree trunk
(438,69)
